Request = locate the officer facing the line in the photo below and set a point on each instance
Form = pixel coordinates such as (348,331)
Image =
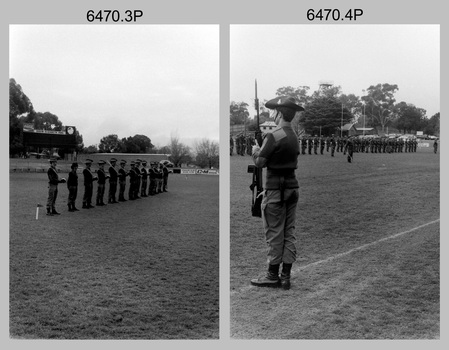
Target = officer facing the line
(279,154)
(53,181)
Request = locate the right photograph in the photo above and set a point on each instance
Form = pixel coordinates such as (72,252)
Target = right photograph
(335,182)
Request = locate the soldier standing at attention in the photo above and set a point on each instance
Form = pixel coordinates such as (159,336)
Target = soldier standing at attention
(138,179)
(435,146)
(132,181)
(349,147)
(279,154)
(144,173)
(113,178)
(164,178)
(322,144)
(333,144)
(89,179)
(152,175)
(101,183)
(231,145)
(160,178)
(122,181)
(72,186)
(53,181)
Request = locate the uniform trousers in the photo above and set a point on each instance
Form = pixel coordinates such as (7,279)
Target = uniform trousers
(52,195)
(278,217)
(73,191)
(121,195)
(112,191)
(88,190)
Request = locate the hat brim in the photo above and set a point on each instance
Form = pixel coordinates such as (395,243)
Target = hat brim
(275,103)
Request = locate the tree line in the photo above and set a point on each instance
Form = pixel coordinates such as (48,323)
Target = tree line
(205,153)
(328,108)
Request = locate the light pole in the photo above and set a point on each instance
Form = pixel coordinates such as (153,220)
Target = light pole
(341,127)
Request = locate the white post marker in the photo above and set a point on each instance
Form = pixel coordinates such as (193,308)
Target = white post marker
(37,210)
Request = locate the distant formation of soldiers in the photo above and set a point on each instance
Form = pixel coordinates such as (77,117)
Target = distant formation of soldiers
(243,144)
(360,144)
(313,144)
(143,182)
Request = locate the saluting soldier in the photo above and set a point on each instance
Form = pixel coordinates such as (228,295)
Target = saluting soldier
(53,181)
(144,173)
(72,186)
(89,179)
(122,174)
(101,183)
(113,178)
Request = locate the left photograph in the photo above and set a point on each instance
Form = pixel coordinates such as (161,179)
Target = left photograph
(114,182)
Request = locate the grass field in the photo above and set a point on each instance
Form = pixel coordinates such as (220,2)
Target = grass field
(143,269)
(368,251)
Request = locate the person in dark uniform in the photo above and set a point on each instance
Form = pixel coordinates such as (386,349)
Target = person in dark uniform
(53,181)
(113,179)
(152,175)
(144,174)
(72,186)
(160,178)
(435,146)
(303,145)
(231,145)
(138,179)
(122,174)
(322,145)
(333,145)
(349,147)
(89,179)
(101,183)
(309,144)
(279,154)
(132,181)
(164,178)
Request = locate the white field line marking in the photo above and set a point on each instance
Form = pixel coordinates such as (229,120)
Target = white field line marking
(301,268)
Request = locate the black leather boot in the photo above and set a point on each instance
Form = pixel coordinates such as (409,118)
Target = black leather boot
(271,279)
(285,276)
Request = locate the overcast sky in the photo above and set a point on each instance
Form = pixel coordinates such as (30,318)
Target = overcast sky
(353,57)
(155,80)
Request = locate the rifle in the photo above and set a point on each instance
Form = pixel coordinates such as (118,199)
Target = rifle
(256,186)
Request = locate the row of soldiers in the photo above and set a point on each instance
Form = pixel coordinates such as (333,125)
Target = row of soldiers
(138,174)
(361,144)
(242,144)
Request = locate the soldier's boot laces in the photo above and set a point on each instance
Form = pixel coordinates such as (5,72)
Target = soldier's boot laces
(285,276)
(271,279)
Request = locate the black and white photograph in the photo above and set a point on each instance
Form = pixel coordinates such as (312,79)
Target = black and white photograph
(114,181)
(335,181)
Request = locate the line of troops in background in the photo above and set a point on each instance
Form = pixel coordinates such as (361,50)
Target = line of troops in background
(139,186)
(308,144)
